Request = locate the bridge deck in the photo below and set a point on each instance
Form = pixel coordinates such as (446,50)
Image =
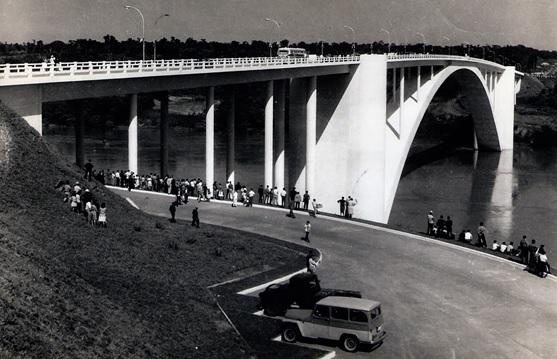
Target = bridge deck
(36,73)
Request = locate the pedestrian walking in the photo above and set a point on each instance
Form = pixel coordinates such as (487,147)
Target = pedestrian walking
(307,229)
(234,198)
(102,215)
(172,210)
(312,262)
(314,207)
(195,218)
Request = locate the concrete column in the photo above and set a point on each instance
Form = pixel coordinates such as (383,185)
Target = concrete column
(278,131)
(230,144)
(79,134)
(401,91)
(210,139)
(394,86)
(132,135)
(418,83)
(311,136)
(503,95)
(269,135)
(432,73)
(164,134)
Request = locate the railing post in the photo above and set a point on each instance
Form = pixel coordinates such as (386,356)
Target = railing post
(90,68)
(73,68)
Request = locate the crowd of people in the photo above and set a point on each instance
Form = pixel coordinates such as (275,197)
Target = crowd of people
(534,257)
(82,201)
(238,194)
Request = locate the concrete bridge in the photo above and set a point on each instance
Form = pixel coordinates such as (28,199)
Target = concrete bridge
(351,120)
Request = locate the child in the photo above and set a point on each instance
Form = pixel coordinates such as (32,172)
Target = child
(102,215)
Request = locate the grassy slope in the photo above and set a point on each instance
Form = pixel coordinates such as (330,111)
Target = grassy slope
(68,290)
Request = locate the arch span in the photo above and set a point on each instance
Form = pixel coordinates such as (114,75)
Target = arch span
(480,99)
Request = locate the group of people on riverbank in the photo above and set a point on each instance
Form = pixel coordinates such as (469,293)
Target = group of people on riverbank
(82,201)
(530,255)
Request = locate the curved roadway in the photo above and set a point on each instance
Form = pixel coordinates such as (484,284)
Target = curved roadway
(439,301)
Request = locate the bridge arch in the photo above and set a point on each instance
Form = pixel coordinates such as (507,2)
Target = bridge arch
(478,100)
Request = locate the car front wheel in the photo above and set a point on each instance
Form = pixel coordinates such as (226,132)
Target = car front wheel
(290,333)
(349,343)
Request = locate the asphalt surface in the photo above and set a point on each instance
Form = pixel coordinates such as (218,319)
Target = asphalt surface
(438,301)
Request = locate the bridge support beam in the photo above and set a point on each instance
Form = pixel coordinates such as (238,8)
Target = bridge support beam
(231,138)
(268,176)
(279,132)
(311,136)
(26,101)
(503,104)
(132,135)
(164,134)
(210,139)
(79,134)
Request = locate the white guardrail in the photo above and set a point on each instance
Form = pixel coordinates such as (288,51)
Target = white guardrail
(38,70)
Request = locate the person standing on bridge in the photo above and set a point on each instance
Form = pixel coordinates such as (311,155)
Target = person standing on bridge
(260,192)
(523,248)
(482,231)
(195,218)
(351,204)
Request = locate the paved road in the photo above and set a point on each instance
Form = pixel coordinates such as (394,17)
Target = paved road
(438,301)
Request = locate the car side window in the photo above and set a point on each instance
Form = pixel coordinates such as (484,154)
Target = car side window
(321,311)
(375,312)
(358,316)
(339,313)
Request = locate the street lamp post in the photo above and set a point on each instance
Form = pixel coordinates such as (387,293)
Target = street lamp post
(388,39)
(142,27)
(353,38)
(467,47)
(155,40)
(423,38)
(449,42)
(278,41)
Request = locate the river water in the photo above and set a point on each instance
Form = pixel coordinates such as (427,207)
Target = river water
(513,192)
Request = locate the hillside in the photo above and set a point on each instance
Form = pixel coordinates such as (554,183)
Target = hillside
(136,289)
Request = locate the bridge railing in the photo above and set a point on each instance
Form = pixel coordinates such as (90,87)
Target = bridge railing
(37,70)
(394,57)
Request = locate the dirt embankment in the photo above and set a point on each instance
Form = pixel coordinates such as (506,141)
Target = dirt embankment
(136,289)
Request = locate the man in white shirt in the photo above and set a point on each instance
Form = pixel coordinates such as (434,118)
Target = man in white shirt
(468,236)
(495,246)
(503,247)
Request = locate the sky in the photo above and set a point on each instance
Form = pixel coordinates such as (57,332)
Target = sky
(528,22)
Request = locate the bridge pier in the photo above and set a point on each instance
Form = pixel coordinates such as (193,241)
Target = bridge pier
(210,139)
(132,135)
(230,131)
(79,134)
(164,133)
(279,133)
(268,177)
(311,136)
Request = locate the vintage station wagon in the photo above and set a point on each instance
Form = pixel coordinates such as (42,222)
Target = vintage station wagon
(351,321)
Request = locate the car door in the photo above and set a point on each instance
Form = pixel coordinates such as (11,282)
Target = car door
(318,327)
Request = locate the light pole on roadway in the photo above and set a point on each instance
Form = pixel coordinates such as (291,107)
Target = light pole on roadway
(353,38)
(142,27)
(155,40)
(388,39)
(278,41)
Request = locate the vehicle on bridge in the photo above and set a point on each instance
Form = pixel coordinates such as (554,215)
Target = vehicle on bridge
(350,321)
(303,290)
(292,52)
